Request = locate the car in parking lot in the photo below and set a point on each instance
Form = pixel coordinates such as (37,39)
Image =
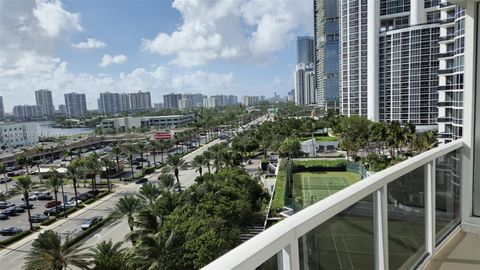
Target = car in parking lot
(37,218)
(31,197)
(90,222)
(139,167)
(52,204)
(10,231)
(52,211)
(3,217)
(19,209)
(9,211)
(6,204)
(45,197)
(5,180)
(141,180)
(24,206)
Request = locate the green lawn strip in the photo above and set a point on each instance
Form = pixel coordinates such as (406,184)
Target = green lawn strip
(278,200)
(320,163)
(319,138)
(82,235)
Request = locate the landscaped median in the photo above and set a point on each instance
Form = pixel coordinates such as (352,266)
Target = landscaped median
(76,239)
(17,237)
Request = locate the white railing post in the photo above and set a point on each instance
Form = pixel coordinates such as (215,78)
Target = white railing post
(289,257)
(380,233)
(430,207)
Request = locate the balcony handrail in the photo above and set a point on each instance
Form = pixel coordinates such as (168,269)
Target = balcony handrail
(265,245)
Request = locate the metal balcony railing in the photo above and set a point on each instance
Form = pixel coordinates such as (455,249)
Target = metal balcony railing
(393,219)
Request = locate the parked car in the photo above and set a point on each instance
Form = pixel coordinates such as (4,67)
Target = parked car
(10,231)
(139,167)
(19,209)
(9,211)
(141,180)
(52,204)
(6,204)
(3,217)
(37,218)
(52,211)
(24,206)
(135,162)
(45,197)
(90,222)
(5,180)
(31,197)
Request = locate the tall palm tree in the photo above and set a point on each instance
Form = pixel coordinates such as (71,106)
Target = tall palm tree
(176,162)
(198,162)
(75,172)
(167,181)
(3,169)
(25,184)
(154,146)
(149,192)
(208,157)
(128,206)
(22,160)
(48,252)
(107,163)
(108,256)
(116,152)
(142,148)
(94,167)
(54,183)
(130,149)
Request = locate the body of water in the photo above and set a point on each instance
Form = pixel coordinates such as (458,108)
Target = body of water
(46,129)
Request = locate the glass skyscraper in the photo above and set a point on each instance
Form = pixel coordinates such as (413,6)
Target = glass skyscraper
(305,50)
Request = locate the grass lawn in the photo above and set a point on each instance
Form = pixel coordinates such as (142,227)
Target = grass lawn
(309,188)
(320,138)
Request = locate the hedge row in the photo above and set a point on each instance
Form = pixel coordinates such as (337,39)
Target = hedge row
(16,237)
(279,194)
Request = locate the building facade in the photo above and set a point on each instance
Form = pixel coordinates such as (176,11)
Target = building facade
(43,98)
(327,46)
(451,73)
(248,101)
(170,101)
(305,50)
(140,101)
(76,105)
(123,124)
(196,99)
(18,135)
(125,102)
(305,93)
(109,103)
(26,112)
(2,109)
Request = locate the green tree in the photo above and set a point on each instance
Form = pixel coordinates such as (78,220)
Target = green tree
(108,256)
(94,167)
(3,169)
(176,162)
(290,148)
(149,192)
(48,252)
(107,163)
(117,152)
(75,172)
(198,163)
(130,149)
(54,183)
(128,206)
(25,185)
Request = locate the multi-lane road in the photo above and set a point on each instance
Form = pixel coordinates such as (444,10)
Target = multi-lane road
(13,256)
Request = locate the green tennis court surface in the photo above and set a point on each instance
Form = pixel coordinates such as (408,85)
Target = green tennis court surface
(309,188)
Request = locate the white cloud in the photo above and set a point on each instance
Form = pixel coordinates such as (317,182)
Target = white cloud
(54,20)
(91,43)
(108,60)
(234,29)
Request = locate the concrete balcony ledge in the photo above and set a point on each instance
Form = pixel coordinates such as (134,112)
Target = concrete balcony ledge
(461,252)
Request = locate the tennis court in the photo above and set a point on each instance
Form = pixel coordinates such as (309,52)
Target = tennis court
(309,188)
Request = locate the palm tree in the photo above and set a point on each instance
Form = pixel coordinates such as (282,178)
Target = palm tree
(154,146)
(22,159)
(176,162)
(149,192)
(130,149)
(167,181)
(94,167)
(25,184)
(116,152)
(107,163)
(3,169)
(108,256)
(128,206)
(54,183)
(142,148)
(198,162)
(48,252)
(208,157)
(75,172)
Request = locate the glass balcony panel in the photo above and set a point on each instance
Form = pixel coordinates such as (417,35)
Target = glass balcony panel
(270,264)
(447,193)
(343,242)
(406,219)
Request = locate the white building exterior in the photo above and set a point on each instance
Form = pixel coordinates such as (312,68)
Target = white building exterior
(134,123)
(304,84)
(43,98)
(76,105)
(17,135)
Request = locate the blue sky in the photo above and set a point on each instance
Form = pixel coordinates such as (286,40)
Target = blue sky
(241,47)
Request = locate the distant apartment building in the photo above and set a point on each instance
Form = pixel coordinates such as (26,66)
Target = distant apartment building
(185,104)
(171,100)
(248,101)
(221,100)
(26,112)
(327,47)
(62,109)
(305,50)
(76,105)
(196,99)
(18,135)
(304,85)
(158,106)
(109,103)
(451,60)
(43,98)
(122,124)
(125,102)
(2,109)
(389,60)
(140,101)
